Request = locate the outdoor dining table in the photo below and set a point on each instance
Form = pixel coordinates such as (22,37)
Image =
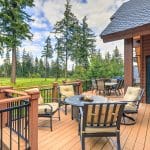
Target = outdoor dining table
(76,101)
(110,83)
(109,86)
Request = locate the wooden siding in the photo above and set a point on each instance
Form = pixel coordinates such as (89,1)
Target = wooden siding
(145,45)
(65,134)
(128,62)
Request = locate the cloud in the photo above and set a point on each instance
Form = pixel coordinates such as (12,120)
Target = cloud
(98,13)
(47,12)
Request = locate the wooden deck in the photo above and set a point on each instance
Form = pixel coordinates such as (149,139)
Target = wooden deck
(65,136)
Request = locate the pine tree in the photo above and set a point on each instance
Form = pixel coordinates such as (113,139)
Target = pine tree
(47,53)
(7,65)
(87,47)
(41,68)
(14,27)
(65,27)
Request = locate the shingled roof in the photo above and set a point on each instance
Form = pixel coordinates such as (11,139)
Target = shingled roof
(132,14)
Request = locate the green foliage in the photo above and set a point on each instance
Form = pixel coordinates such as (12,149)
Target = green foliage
(79,73)
(110,66)
(47,53)
(84,44)
(14,26)
(65,27)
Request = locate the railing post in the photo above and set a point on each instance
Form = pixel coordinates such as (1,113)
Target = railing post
(4,105)
(55,91)
(33,118)
(80,87)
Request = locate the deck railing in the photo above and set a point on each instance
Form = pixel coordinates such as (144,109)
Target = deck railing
(16,119)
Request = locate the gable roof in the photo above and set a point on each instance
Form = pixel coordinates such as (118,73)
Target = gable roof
(131,15)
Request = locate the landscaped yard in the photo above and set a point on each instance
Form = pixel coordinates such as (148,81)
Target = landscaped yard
(29,82)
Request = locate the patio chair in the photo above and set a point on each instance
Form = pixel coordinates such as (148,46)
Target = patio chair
(64,92)
(47,109)
(101,120)
(133,98)
(94,85)
(101,86)
(117,88)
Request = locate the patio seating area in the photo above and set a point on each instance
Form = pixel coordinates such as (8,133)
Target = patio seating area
(65,134)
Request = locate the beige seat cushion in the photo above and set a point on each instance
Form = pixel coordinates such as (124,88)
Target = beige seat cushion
(66,91)
(132,94)
(40,100)
(100,130)
(130,106)
(45,109)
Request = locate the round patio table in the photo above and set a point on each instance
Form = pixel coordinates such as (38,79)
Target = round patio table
(76,100)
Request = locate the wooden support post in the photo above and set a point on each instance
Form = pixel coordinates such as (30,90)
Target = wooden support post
(80,86)
(33,118)
(55,91)
(128,62)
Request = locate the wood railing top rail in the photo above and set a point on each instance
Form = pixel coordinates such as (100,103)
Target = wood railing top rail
(8,100)
(9,90)
(14,92)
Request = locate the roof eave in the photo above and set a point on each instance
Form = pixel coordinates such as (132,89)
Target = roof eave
(129,33)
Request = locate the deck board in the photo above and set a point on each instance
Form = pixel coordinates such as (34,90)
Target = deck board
(65,134)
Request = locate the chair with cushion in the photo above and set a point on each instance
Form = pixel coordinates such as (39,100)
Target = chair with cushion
(94,85)
(101,86)
(64,92)
(117,88)
(133,98)
(101,120)
(47,109)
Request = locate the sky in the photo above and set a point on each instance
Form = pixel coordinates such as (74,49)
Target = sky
(47,12)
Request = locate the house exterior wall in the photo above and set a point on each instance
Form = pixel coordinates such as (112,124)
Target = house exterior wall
(145,46)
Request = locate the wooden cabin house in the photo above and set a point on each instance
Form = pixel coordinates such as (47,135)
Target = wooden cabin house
(131,22)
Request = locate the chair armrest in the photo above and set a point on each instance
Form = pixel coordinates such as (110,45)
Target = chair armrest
(51,108)
(129,101)
(63,95)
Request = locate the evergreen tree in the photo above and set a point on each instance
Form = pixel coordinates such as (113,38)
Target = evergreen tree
(87,47)
(36,66)
(41,68)
(14,27)
(55,66)
(66,28)
(47,53)
(7,65)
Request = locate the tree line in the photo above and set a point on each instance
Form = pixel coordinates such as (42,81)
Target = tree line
(28,66)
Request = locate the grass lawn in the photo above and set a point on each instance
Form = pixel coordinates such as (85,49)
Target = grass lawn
(29,82)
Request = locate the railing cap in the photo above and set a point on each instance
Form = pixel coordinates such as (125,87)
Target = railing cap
(34,93)
(5,87)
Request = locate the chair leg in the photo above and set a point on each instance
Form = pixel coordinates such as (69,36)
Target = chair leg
(51,123)
(72,112)
(82,143)
(65,109)
(130,118)
(59,113)
(118,141)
